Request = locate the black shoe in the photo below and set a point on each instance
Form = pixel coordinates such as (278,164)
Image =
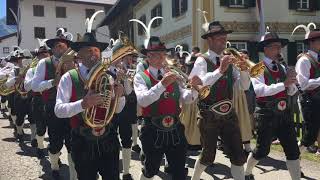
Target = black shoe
(246,153)
(34,143)
(186,170)
(249,177)
(302,175)
(136,148)
(4,114)
(40,153)
(20,138)
(127,177)
(59,162)
(55,175)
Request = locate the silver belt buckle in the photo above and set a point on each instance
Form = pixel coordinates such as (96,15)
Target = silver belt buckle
(222,108)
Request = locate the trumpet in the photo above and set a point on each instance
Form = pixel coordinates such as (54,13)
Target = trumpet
(253,69)
(171,65)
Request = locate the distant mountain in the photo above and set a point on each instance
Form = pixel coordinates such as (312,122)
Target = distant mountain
(6,29)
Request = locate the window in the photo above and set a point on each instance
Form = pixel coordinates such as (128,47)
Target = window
(236,3)
(140,28)
(6,50)
(179,7)
(90,12)
(39,32)
(303,4)
(239,45)
(38,10)
(61,12)
(156,11)
(301,47)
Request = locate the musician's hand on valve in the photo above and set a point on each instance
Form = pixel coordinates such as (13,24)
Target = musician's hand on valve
(168,79)
(91,99)
(195,81)
(291,79)
(119,90)
(225,62)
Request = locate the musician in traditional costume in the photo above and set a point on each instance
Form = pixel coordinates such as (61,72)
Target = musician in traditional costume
(217,116)
(95,145)
(37,110)
(122,53)
(308,76)
(3,107)
(274,119)
(158,93)
(45,80)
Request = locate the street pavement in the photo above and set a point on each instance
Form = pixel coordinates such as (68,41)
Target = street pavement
(19,162)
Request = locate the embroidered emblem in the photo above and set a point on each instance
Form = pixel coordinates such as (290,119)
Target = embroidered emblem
(167,121)
(282,105)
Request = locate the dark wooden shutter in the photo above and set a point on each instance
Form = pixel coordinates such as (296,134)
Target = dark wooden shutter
(224,3)
(253,51)
(292,4)
(292,53)
(184,7)
(175,6)
(313,5)
(249,3)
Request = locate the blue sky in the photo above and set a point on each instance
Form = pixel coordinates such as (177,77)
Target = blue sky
(2,8)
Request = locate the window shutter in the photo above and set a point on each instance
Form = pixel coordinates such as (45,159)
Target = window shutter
(317,5)
(253,51)
(292,4)
(224,3)
(313,5)
(292,53)
(175,7)
(250,3)
(184,6)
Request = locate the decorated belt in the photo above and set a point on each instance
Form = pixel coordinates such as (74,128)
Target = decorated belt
(165,123)
(91,134)
(220,108)
(279,105)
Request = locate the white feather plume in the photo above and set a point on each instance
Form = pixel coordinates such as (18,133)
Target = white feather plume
(14,15)
(147,30)
(228,44)
(42,42)
(61,29)
(180,50)
(90,22)
(86,22)
(111,43)
(205,25)
(267,29)
(312,24)
(306,28)
(68,36)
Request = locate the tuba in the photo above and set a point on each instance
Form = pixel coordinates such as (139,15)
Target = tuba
(254,69)
(98,117)
(173,66)
(99,81)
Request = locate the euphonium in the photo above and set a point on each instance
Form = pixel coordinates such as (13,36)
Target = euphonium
(172,65)
(253,69)
(98,117)
(67,58)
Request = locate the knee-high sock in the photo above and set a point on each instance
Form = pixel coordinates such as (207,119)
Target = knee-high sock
(14,119)
(3,106)
(252,162)
(72,170)
(247,147)
(54,160)
(294,169)
(40,141)
(144,178)
(126,157)
(20,129)
(33,131)
(237,172)
(198,169)
(134,128)
(9,111)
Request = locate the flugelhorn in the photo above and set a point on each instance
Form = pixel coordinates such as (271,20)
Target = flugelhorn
(66,59)
(172,66)
(253,69)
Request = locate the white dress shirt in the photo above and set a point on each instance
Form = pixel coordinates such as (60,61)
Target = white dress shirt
(303,73)
(66,109)
(242,79)
(140,67)
(146,96)
(39,83)
(11,77)
(263,90)
(28,80)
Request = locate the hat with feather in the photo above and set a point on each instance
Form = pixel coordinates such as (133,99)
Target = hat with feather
(310,34)
(151,43)
(89,38)
(19,53)
(61,36)
(270,37)
(213,28)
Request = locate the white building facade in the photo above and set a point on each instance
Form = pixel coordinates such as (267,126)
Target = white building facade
(6,44)
(41,19)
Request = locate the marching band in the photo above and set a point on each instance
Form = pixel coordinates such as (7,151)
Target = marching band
(90,95)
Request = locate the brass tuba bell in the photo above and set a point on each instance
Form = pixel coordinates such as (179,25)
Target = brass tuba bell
(253,69)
